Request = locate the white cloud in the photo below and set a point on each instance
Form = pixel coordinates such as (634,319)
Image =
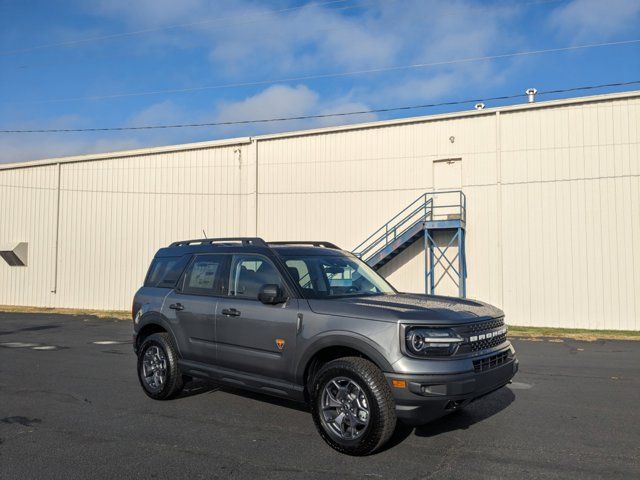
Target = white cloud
(291,36)
(158,113)
(596,19)
(281,101)
(27,146)
(21,147)
(267,40)
(18,147)
(150,13)
(261,41)
(417,87)
(275,101)
(454,29)
(344,106)
(319,40)
(304,39)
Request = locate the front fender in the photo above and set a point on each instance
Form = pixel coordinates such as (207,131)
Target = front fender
(346,339)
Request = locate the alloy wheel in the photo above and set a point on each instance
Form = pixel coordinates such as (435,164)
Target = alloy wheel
(154,367)
(345,409)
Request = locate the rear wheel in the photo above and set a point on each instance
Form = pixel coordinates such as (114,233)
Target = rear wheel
(158,370)
(352,406)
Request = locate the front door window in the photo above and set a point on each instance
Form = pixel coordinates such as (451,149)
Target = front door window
(249,273)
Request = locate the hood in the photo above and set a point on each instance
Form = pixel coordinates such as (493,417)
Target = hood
(429,309)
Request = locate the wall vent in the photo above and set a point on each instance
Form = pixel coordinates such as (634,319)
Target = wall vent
(15,254)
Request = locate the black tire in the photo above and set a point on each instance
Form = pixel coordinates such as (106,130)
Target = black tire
(173,381)
(382,416)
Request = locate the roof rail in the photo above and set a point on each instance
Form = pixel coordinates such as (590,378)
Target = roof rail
(246,241)
(311,242)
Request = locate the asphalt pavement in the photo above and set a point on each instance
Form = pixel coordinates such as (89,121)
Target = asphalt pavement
(71,407)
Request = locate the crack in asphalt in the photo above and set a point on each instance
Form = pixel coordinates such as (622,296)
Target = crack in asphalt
(24,421)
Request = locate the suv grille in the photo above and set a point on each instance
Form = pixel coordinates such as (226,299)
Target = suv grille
(484,326)
(490,343)
(484,364)
(482,335)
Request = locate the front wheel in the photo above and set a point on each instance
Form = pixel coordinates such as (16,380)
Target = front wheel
(352,406)
(158,370)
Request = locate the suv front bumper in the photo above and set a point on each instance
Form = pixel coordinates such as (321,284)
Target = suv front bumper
(428,397)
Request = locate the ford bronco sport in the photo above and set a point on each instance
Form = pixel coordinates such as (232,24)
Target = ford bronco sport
(310,322)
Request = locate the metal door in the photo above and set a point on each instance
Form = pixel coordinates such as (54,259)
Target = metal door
(447,177)
(447,174)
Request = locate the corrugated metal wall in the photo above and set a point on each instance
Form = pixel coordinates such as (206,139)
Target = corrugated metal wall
(114,215)
(571,215)
(553,203)
(27,213)
(553,198)
(342,186)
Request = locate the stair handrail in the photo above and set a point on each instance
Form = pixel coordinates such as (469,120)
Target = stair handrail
(461,205)
(424,201)
(385,230)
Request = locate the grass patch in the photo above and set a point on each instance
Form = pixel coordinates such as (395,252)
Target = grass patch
(575,333)
(111,314)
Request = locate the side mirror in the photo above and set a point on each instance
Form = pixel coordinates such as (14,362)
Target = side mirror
(271,294)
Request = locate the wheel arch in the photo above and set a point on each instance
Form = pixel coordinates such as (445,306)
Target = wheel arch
(151,324)
(335,346)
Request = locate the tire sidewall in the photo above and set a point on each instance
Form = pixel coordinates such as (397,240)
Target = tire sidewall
(362,444)
(160,342)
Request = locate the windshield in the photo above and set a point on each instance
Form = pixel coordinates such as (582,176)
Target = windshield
(335,276)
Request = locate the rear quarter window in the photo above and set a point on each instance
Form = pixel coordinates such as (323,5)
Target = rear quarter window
(164,272)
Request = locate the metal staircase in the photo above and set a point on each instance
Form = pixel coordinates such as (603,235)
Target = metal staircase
(439,219)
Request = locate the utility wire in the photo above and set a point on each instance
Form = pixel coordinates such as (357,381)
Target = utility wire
(252,18)
(166,27)
(279,32)
(227,24)
(343,74)
(326,115)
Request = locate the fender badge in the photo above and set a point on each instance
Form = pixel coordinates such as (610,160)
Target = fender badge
(280,343)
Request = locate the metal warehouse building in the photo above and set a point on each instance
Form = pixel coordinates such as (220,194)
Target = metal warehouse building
(551,224)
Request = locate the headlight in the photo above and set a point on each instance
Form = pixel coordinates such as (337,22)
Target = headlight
(431,342)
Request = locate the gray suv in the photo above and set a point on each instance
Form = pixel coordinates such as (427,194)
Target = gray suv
(310,322)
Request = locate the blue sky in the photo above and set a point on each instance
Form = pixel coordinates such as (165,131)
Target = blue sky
(99,56)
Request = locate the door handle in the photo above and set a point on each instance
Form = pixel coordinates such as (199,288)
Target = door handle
(231,312)
(299,323)
(176,306)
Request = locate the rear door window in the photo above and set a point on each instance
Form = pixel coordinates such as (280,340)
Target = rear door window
(204,275)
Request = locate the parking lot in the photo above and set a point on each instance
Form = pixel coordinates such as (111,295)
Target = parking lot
(71,407)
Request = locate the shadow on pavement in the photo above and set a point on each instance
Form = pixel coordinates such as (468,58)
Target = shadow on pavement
(197,387)
(36,328)
(473,413)
(281,402)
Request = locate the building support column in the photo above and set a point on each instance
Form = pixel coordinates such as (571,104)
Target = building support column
(256,187)
(499,241)
(54,290)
